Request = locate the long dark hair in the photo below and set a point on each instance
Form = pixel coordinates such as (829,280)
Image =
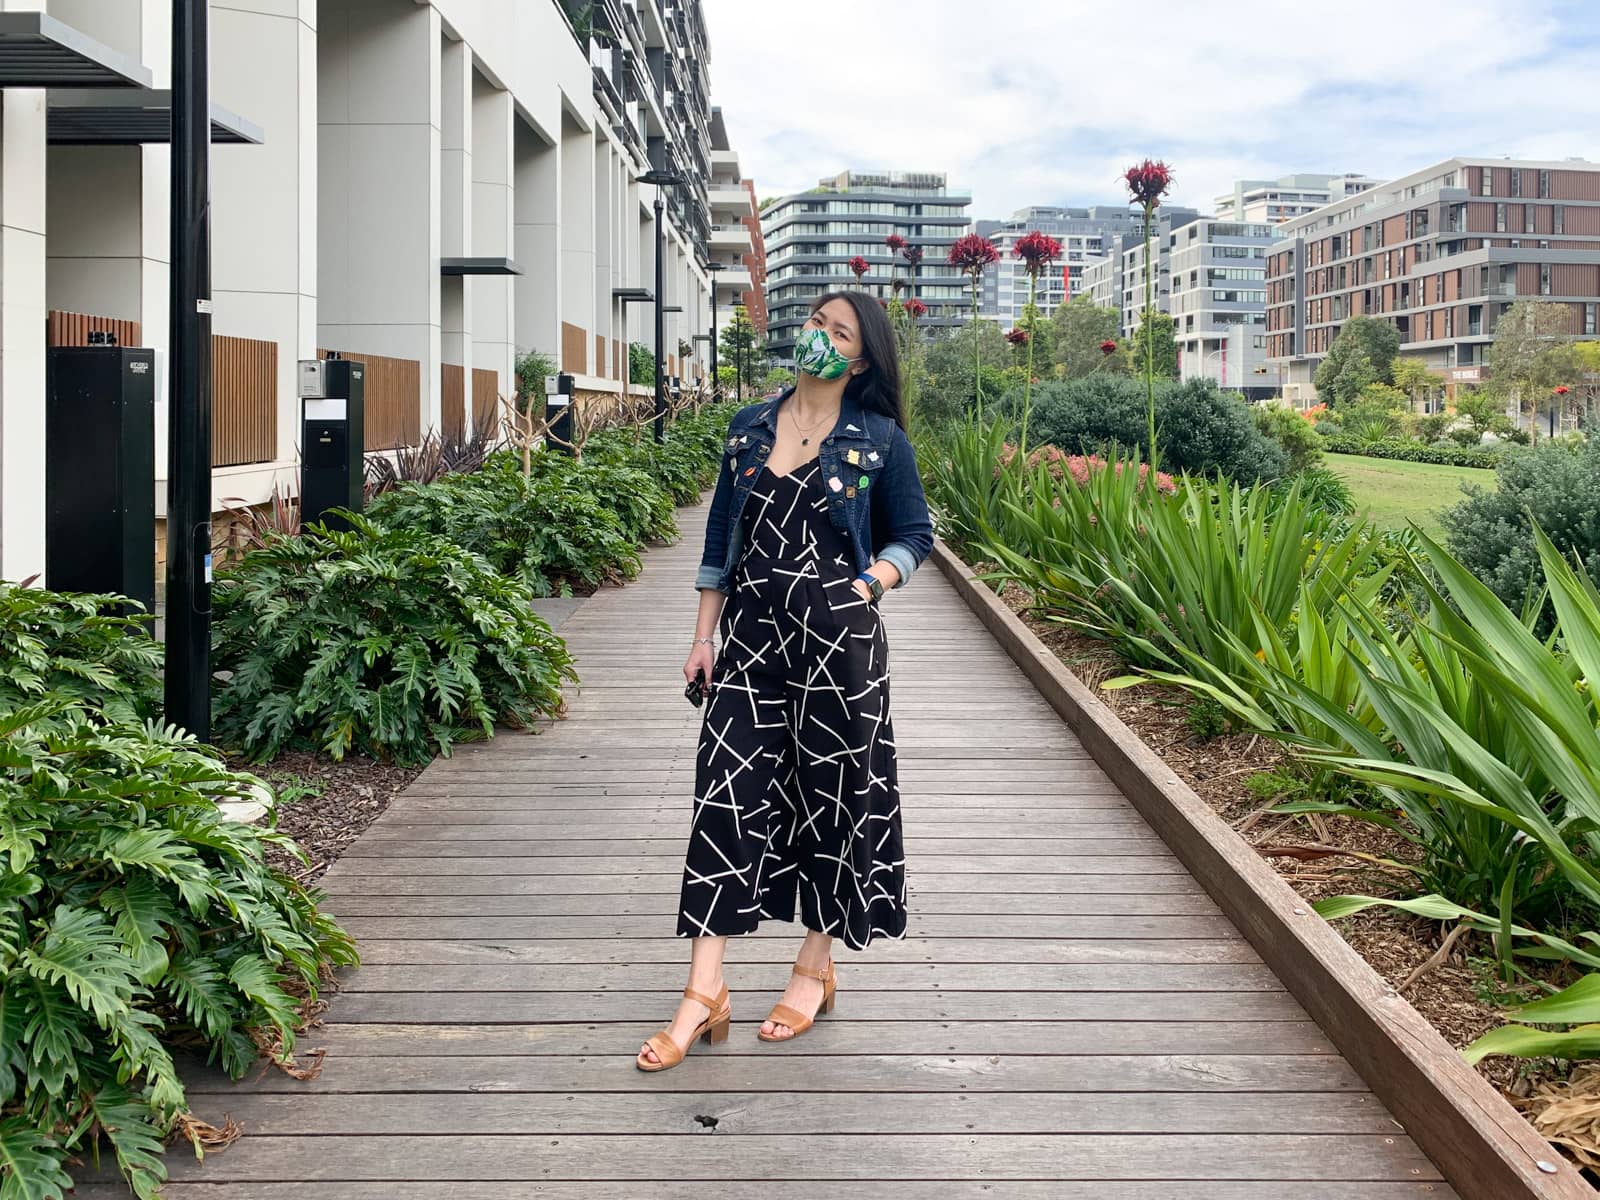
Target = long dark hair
(878,387)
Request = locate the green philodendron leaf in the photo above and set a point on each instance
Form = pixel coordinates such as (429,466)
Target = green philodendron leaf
(31,1163)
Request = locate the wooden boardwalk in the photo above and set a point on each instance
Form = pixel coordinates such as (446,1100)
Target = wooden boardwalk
(1069,1018)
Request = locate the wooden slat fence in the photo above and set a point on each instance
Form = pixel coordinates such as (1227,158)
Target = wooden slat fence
(574,349)
(73,329)
(393,399)
(485,402)
(244,401)
(453,400)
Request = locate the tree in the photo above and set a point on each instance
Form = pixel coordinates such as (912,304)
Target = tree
(947,390)
(1411,376)
(1157,331)
(1484,410)
(1041,334)
(1530,356)
(641,364)
(1080,328)
(1357,374)
(1377,341)
(742,348)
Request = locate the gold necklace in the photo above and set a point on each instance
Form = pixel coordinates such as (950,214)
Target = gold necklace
(805,440)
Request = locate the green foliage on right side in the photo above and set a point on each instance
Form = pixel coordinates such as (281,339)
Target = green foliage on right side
(1362,354)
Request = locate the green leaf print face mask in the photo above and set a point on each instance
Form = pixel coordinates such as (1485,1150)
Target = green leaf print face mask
(815,354)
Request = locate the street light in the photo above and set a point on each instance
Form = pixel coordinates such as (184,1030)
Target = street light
(660,180)
(712,269)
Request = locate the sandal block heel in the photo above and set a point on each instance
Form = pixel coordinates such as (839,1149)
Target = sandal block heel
(718,1032)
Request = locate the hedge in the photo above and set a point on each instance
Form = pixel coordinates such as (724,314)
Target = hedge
(1411,451)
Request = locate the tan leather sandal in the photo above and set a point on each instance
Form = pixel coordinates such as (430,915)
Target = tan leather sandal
(714,1029)
(783,1014)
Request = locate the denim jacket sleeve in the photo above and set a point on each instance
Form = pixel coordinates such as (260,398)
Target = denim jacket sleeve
(715,554)
(901,523)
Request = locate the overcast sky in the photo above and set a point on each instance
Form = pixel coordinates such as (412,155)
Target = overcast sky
(1046,102)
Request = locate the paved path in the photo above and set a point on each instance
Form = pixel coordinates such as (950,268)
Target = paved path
(1070,1017)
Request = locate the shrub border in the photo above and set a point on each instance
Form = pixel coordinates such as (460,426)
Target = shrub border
(1479,1142)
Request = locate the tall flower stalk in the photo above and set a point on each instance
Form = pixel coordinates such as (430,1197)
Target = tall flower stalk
(859,267)
(1037,251)
(1147,183)
(970,255)
(896,243)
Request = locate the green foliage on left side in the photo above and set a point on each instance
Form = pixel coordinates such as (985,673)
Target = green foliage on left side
(134,917)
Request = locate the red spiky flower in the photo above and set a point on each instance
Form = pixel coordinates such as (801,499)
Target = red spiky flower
(1562,389)
(913,254)
(1108,347)
(1017,337)
(859,266)
(895,242)
(972,253)
(1038,250)
(1148,181)
(916,308)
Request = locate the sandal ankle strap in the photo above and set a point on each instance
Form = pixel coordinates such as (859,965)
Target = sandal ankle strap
(711,1002)
(813,972)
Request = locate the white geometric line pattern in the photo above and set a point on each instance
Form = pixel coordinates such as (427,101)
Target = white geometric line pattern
(796,791)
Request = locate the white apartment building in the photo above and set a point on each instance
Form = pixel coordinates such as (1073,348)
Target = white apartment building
(1270,201)
(432,185)
(1216,271)
(1085,234)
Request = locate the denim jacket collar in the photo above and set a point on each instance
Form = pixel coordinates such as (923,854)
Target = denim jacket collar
(851,422)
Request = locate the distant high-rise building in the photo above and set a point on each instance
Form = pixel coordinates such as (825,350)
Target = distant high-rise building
(1117,280)
(1271,201)
(735,248)
(1218,301)
(1085,234)
(1440,254)
(812,236)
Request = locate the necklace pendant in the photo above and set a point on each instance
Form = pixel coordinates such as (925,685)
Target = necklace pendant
(805,441)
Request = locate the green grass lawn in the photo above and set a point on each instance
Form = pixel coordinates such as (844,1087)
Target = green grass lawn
(1396,492)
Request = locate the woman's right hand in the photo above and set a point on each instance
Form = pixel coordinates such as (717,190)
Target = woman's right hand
(701,658)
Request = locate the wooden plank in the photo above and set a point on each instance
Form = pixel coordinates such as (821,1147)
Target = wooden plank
(702,1185)
(665,903)
(1062,864)
(337,883)
(829,1157)
(922,925)
(851,1037)
(650,1009)
(1488,1150)
(383,844)
(816,1071)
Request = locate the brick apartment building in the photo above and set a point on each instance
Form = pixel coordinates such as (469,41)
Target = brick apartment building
(1440,254)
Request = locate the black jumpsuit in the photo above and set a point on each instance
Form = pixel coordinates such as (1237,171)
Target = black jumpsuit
(795,784)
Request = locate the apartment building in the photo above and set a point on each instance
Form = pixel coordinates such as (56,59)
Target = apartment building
(1441,254)
(1216,274)
(737,259)
(431,185)
(812,236)
(1084,234)
(1117,280)
(1272,201)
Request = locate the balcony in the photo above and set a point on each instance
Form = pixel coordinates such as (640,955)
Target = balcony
(734,281)
(735,200)
(731,239)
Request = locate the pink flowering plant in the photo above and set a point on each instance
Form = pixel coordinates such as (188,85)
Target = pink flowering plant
(970,255)
(1037,251)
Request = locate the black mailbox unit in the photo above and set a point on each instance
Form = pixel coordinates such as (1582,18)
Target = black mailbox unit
(558,411)
(332,439)
(100,471)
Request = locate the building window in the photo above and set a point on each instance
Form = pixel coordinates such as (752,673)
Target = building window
(1487,187)
(1588,318)
(1527,218)
(1516,181)
(1559,217)
(1544,279)
(1544,185)
(1499,218)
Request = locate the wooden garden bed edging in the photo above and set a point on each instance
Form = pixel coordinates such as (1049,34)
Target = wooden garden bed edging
(1479,1142)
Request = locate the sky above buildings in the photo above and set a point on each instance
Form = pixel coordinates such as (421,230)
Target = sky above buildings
(1045,103)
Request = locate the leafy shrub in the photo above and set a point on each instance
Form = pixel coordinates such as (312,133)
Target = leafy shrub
(1202,430)
(1325,490)
(80,648)
(133,917)
(1404,451)
(1491,532)
(1295,435)
(388,640)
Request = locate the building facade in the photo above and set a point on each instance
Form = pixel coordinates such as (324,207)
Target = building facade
(737,250)
(1084,234)
(1216,272)
(437,187)
(1440,254)
(1117,280)
(1273,201)
(810,238)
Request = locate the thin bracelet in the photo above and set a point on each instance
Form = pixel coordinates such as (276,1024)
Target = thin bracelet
(697,641)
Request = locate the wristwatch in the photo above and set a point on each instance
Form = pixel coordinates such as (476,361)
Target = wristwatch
(874,585)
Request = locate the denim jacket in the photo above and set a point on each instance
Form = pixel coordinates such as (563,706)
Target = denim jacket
(878,503)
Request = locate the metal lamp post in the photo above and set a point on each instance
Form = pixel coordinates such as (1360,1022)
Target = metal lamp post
(660,180)
(188,627)
(712,269)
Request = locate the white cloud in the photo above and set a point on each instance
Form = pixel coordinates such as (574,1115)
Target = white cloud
(1047,103)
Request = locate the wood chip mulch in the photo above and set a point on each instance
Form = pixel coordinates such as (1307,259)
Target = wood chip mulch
(1454,994)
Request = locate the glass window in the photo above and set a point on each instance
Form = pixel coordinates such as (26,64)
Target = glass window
(1544,279)
(1588,318)
(1499,218)
(1516,181)
(1527,218)
(1487,187)
(1544,184)
(1559,217)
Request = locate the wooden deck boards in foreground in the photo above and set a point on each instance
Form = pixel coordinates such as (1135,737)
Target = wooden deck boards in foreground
(1070,1017)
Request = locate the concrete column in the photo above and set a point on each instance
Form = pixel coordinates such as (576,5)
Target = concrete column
(578,235)
(22,309)
(379,199)
(536,201)
(455,201)
(493,229)
(605,219)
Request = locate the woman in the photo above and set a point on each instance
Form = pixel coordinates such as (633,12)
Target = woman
(818,510)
